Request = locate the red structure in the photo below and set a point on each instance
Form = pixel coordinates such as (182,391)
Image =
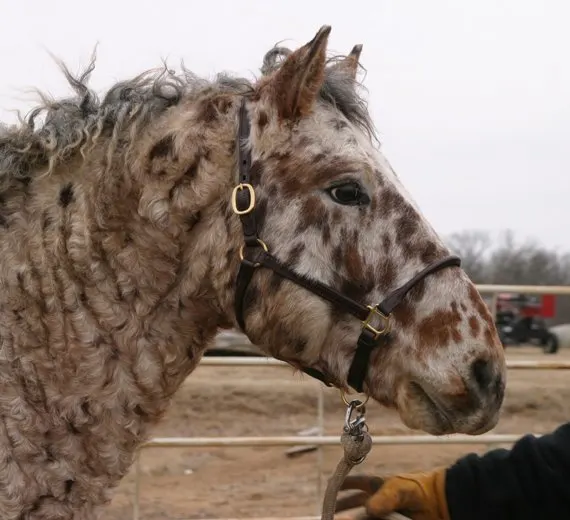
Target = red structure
(543,306)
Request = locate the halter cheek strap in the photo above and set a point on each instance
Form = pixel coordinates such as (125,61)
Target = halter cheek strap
(376,320)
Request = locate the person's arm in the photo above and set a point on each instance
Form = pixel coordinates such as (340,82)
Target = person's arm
(529,481)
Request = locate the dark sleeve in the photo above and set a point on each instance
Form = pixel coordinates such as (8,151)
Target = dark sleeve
(530,481)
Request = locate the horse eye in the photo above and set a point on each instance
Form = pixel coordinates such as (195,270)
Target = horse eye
(350,194)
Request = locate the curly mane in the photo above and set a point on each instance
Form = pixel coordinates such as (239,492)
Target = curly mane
(78,122)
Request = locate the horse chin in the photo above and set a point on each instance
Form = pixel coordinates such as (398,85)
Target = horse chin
(420,410)
(428,421)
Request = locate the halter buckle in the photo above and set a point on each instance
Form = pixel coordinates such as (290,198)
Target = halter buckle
(383,320)
(249,209)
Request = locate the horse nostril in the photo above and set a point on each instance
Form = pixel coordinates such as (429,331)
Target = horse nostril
(482,372)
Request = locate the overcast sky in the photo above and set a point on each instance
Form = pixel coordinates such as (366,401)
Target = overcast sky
(471,97)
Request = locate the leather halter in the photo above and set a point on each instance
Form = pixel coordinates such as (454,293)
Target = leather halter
(254,253)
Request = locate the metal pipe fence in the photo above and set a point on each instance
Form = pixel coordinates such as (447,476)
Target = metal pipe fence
(324,440)
(321,440)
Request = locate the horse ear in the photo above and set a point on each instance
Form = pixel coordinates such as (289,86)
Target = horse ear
(349,65)
(296,83)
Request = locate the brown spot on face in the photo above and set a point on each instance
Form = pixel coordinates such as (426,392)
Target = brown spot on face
(352,259)
(404,313)
(162,148)
(480,307)
(474,327)
(439,328)
(336,216)
(295,255)
(290,186)
(326,232)
(380,178)
(456,335)
(429,253)
(373,206)
(406,227)
(389,201)
(313,213)
(386,273)
(337,257)
(361,279)
(489,336)
(417,292)
(357,290)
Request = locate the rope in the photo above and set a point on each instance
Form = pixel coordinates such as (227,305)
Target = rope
(357,443)
(355,450)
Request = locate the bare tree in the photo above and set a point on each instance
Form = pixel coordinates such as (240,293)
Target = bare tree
(513,262)
(472,246)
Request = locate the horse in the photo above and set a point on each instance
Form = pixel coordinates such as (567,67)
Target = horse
(137,225)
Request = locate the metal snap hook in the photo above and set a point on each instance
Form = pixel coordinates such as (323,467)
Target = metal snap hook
(347,402)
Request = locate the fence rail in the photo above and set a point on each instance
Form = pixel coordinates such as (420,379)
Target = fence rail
(324,440)
(328,440)
(559,290)
(246,361)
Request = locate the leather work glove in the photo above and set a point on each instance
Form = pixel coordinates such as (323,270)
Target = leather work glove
(419,496)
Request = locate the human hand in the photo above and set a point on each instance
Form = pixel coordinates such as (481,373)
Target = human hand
(418,496)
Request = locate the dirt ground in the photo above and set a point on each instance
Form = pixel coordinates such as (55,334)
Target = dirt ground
(261,482)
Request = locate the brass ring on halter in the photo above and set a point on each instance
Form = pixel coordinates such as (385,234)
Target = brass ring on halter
(259,241)
(347,402)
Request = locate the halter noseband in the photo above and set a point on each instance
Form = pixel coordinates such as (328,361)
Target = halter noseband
(254,253)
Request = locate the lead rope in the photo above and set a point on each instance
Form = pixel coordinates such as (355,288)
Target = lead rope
(356,442)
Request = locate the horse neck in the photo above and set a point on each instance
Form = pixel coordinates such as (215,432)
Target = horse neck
(186,179)
(156,230)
